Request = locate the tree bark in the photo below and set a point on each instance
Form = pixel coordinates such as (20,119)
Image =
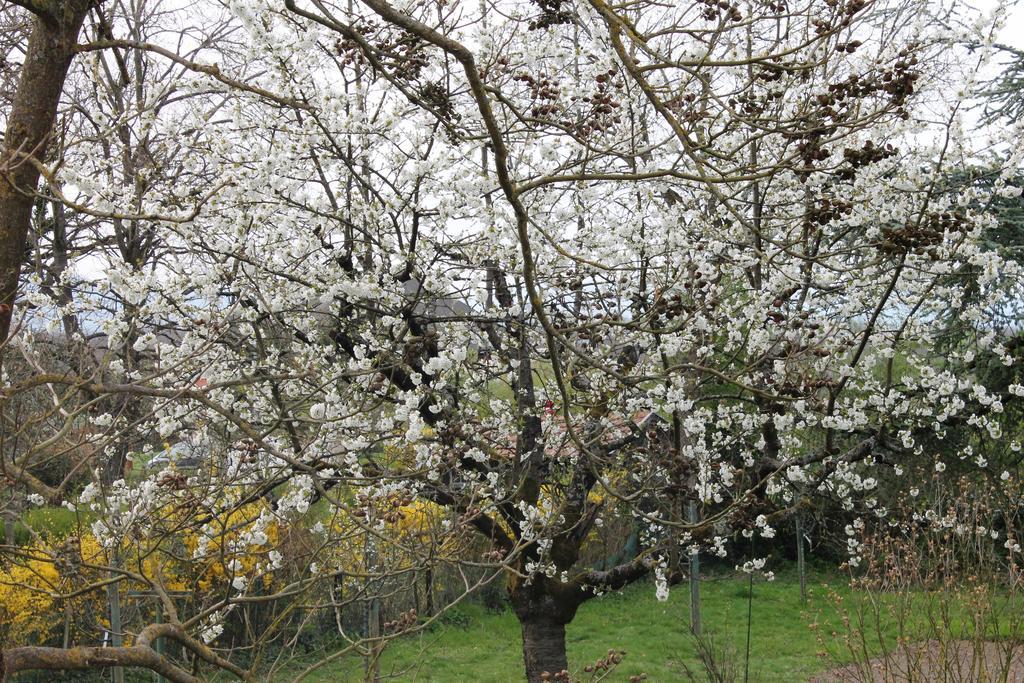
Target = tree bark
(543,648)
(40,84)
(32,658)
(142,655)
(543,608)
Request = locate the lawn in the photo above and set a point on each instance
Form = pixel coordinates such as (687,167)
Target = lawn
(472,644)
(476,645)
(50,522)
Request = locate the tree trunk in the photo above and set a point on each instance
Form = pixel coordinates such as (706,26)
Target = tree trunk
(40,84)
(543,608)
(543,648)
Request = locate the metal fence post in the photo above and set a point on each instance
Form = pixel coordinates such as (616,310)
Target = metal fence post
(695,626)
(801,568)
(116,638)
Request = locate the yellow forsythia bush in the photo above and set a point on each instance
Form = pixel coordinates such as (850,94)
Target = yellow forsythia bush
(25,601)
(186,550)
(32,581)
(228,548)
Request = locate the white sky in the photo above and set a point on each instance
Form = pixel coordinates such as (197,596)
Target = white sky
(1013,33)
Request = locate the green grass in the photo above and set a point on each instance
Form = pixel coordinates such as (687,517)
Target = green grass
(485,647)
(51,522)
(471,644)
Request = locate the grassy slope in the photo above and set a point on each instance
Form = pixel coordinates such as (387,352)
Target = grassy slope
(53,522)
(486,647)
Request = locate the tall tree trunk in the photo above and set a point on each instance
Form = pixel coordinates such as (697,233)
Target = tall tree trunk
(40,84)
(543,648)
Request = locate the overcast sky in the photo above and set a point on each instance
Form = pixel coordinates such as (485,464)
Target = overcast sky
(1013,32)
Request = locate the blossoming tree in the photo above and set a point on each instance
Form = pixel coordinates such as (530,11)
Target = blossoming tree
(549,266)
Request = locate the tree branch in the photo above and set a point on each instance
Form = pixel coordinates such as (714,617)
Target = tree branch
(212,70)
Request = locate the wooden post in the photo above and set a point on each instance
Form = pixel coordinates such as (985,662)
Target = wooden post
(694,578)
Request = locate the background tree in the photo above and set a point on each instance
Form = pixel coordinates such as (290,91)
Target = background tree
(30,121)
